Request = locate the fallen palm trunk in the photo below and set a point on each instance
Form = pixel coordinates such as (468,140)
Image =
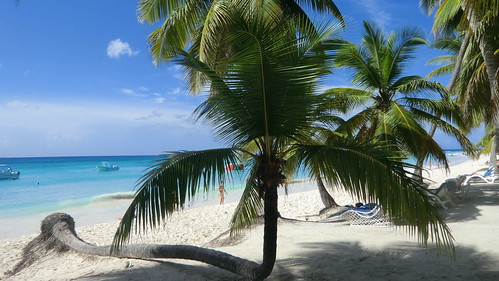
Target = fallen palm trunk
(61,227)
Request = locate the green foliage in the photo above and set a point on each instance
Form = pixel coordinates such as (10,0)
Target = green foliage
(262,102)
(200,27)
(394,108)
(173,179)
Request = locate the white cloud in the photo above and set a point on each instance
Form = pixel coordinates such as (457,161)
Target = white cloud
(41,129)
(159,100)
(117,48)
(16,103)
(175,91)
(377,10)
(133,93)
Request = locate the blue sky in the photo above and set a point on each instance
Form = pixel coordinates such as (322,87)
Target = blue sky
(76,78)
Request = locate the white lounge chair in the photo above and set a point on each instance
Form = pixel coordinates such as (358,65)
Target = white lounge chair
(488,177)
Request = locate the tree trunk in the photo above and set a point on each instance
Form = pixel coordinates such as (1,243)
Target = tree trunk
(270,234)
(494,146)
(64,231)
(492,67)
(326,198)
(418,172)
(61,226)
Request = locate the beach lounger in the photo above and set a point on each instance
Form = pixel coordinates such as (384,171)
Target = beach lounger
(372,215)
(488,177)
(445,194)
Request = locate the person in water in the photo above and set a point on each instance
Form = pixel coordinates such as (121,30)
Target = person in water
(221,190)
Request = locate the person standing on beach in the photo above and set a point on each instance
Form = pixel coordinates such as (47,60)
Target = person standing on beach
(221,189)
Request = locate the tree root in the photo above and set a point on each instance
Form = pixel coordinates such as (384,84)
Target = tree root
(44,242)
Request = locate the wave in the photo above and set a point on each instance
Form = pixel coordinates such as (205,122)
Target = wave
(67,204)
(113,196)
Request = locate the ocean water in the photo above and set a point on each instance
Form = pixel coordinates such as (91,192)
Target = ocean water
(76,186)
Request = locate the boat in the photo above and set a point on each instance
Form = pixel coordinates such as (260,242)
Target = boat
(106,166)
(6,173)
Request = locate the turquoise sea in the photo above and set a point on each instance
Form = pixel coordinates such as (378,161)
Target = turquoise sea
(76,186)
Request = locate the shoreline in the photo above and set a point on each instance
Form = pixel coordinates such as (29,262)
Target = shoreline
(305,251)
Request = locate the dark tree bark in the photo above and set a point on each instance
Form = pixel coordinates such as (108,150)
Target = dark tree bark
(326,198)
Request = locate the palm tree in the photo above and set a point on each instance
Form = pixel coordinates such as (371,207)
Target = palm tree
(389,108)
(457,47)
(264,95)
(480,18)
(469,83)
(202,25)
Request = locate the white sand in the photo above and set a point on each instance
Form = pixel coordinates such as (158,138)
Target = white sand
(306,250)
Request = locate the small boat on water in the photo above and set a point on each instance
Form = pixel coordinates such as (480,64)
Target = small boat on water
(6,173)
(106,166)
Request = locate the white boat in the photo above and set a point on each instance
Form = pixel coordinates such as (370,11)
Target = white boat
(6,173)
(106,166)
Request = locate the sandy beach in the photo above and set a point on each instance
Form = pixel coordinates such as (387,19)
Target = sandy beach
(307,250)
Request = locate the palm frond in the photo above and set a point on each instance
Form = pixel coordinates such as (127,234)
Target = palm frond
(343,99)
(442,59)
(249,86)
(173,179)
(250,206)
(358,59)
(357,121)
(415,86)
(410,135)
(378,175)
(441,71)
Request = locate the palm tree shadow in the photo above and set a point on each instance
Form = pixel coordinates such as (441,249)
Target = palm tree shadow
(350,261)
(469,208)
(166,271)
(337,261)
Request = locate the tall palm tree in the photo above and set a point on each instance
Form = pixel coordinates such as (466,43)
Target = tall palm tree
(469,83)
(457,47)
(202,26)
(390,109)
(264,95)
(480,18)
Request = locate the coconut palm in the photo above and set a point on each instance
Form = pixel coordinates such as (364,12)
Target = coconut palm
(390,109)
(457,47)
(469,83)
(202,26)
(480,18)
(264,95)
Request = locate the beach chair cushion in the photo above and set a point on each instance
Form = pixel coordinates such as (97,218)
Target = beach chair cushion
(370,215)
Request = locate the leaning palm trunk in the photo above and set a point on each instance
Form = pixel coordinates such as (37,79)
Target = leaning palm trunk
(452,83)
(61,226)
(492,67)
(326,198)
(493,147)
